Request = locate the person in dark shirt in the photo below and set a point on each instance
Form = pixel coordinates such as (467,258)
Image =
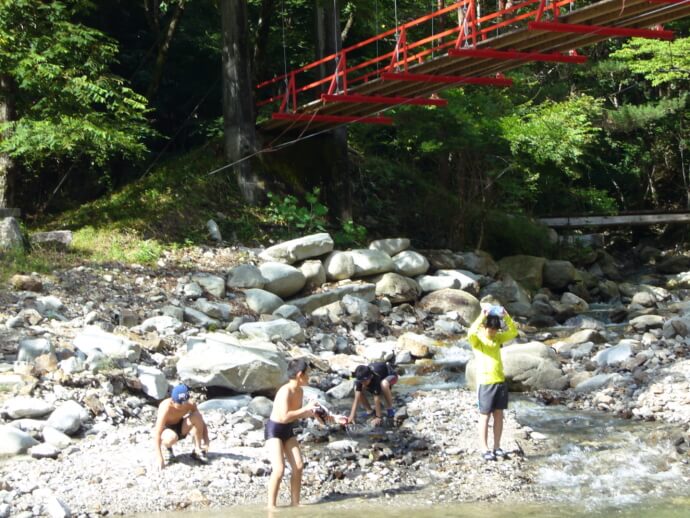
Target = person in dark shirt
(378,378)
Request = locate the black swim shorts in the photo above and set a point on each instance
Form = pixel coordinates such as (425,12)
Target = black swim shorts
(282,431)
(177,428)
(492,397)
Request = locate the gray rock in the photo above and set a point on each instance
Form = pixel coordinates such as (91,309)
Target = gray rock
(297,249)
(311,302)
(10,234)
(261,405)
(557,275)
(390,246)
(56,437)
(212,284)
(280,329)
(410,263)
(230,404)
(314,273)
(245,276)
(68,417)
(164,324)
(429,283)
(217,310)
(214,231)
(44,451)
(23,406)
(198,318)
(282,279)
(342,390)
(525,269)
(444,301)
(613,355)
(596,382)
(371,262)
(93,338)
(31,348)
(242,368)
(397,288)
(14,441)
(468,281)
(59,239)
(289,312)
(262,301)
(153,382)
(339,266)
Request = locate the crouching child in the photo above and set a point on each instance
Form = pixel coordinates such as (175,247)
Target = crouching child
(378,378)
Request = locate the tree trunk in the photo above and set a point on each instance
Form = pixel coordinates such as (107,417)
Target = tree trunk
(7,169)
(337,185)
(238,103)
(164,48)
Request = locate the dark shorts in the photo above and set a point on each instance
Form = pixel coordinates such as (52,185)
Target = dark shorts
(177,428)
(492,397)
(282,431)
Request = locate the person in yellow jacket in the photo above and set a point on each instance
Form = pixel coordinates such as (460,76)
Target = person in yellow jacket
(486,336)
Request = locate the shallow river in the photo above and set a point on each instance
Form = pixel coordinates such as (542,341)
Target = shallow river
(598,465)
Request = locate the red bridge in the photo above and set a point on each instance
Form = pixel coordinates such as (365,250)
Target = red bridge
(453,46)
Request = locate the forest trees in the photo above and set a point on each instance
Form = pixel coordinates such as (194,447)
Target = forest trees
(66,104)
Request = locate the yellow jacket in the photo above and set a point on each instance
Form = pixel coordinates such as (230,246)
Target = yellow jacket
(488,351)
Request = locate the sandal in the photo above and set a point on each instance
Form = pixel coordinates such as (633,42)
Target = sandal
(488,455)
(200,456)
(499,453)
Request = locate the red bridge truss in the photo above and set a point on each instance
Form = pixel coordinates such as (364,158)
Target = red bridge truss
(454,46)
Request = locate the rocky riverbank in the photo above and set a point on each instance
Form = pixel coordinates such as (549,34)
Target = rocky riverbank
(88,352)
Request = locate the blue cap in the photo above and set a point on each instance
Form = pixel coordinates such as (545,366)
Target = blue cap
(496,311)
(180,393)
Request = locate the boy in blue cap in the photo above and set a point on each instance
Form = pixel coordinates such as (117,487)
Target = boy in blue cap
(178,417)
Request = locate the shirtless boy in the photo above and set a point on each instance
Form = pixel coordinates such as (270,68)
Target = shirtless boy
(280,438)
(178,417)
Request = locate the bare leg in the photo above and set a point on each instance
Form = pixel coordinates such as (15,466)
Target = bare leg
(387,393)
(498,428)
(483,431)
(168,438)
(275,451)
(294,457)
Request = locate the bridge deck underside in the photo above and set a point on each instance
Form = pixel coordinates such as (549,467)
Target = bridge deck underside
(609,13)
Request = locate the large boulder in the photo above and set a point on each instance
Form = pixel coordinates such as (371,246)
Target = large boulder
(282,279)
(479,262)
(23,406)
(397,288)
(245,276)
(31,348)
(13,441)
(242,368)
(262,301)
(339,266)
(94,338)
(429,283)
(558,274)
(468,281)
(371,262)
(297,249)
(211,284)
(57,239)
(272,330)
(153,381)
(531,366)
(68,417)
(444,301)
(410,263)
(510,294)
(390,246)
(314,274)
(525,269)
(311,302)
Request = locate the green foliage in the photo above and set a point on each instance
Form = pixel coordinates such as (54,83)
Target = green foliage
(631,117)
(659,62)
(350,234)
(70,106)
(286,211)
(507,234)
